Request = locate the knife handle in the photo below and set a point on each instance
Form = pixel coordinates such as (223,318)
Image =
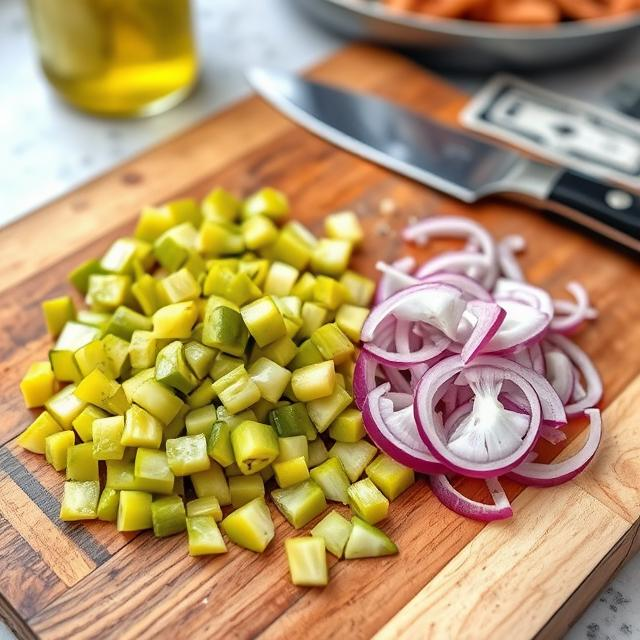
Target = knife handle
(607,210)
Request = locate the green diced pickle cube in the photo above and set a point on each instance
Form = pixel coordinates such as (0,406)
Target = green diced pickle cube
(106,436)
(367,501)
(57,312)
(255,446)
(172,368)
(188,454)
(168,516)
(33,438)
(354,456)
(152,471)
(391,477)
(207,506)
(219,444)
(108,505)
(212,482)
(81,465)
(264,320)
(307,561)
(250,526)
(224,329)
(80,500)
(300,503)
(56,446)
(335,531)
(141,429)
(243,489)
(134,511)
(204,536)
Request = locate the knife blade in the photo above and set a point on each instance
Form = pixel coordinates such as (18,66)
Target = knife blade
(448,160)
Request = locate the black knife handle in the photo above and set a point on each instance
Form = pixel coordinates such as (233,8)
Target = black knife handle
(603,208)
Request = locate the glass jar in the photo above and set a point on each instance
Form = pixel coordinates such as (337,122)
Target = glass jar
(117,57)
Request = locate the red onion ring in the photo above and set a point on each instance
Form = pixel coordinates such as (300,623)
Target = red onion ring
(406,450)
(430,429)
(454,500)
(593,392)
(578,312)
(548,475)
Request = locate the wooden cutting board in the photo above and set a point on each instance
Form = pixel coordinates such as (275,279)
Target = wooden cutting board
(454,578)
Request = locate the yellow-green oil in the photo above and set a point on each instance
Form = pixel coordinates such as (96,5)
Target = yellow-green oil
(117,57)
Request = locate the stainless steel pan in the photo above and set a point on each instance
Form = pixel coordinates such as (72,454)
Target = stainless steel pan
(472,45)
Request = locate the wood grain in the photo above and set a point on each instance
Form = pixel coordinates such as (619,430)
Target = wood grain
(74,580)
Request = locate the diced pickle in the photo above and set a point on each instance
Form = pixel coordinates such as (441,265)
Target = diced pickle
(290,472)
(33,438)
(80,500)
(106,436)
(348,426)
(188,454)
(57,312)
(255,446)
(204,536)
(212,482)
(367,541)
(300,503)
(367,501)
(332,479)
(307,561)
(243,489)
(134,511)
(335,531)
(354,456)
(38,384)
(391,477)
(219,444)
(81,465)
(152,471)
(250,526)
(141,429)
(56,446)
(313,382)
(108,505)
(207,506)
(168,516)
(65,406)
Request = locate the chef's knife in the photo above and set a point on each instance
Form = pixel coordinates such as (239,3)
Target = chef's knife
(451,161)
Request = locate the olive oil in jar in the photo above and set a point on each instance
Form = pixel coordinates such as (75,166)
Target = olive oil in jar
(117,57)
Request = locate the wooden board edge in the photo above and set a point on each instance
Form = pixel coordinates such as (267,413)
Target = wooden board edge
(560,623)
(506,559)
(18,625)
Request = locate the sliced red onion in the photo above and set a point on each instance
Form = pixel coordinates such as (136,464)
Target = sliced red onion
(438,305)
(537,359)
(593,392)
(509,266)
(486,444)
(560,373)
(548,475)
(395,433)
(458,227)
(554,436)
(395,277)
(489,318)
(535,297)
(454,500)
(577,314)
(523,325)
(471,290)
(461,371)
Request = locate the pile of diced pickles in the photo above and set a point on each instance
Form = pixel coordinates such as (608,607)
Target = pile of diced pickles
(216,355)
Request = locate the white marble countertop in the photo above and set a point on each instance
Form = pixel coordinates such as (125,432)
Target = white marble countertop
(48,149)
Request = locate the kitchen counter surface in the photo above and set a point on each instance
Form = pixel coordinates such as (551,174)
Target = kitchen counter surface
(48,149)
